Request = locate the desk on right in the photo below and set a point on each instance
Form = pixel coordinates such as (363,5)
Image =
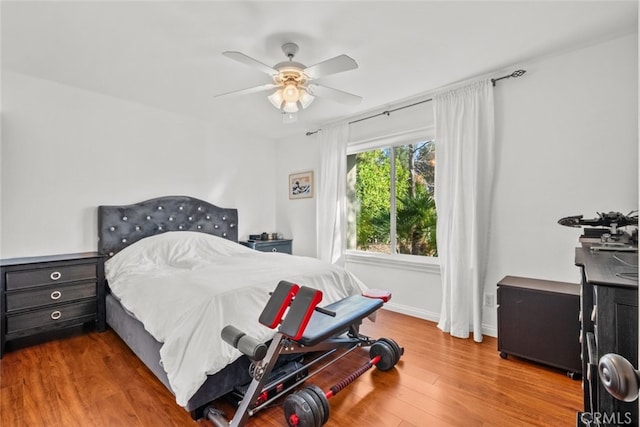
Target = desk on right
(609,324)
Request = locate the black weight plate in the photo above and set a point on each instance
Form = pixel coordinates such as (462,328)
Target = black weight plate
(324,402)
(315,405)
(297,412)
(399,351)
(387,355)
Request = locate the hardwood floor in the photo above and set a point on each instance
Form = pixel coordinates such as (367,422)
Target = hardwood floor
(95,380)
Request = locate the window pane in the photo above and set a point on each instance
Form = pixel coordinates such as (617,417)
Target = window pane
(403,222)
(415,206)
(370,200)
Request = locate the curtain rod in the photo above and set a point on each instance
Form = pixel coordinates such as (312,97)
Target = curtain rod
(516,73)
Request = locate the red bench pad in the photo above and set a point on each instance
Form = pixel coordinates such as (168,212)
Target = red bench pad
(385,296)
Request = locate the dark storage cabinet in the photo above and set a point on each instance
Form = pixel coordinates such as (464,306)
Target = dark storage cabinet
(39,296)
(538,320)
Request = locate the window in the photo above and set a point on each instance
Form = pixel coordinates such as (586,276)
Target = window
(390,199)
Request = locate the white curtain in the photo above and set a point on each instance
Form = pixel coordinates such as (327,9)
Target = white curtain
(464,124)
(331,228)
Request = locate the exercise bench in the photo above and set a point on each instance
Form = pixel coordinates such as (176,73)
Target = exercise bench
(303,327)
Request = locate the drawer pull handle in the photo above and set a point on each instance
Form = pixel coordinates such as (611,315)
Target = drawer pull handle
(56,315)
(55,275)
(56,295)
(274,249)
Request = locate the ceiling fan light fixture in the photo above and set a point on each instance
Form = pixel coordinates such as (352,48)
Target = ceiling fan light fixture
(276,98)
(292,81)
(290,93)
(305,98)
(290,107)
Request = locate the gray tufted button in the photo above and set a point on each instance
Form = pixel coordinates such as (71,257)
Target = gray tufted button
(224,234)
(190,218)
(208,217)
(137,228)
(112,228)
(110,253)
(124,218)
(232,226)
(200,208)
(159,227)
(160,208)
(170,218)
(215,225)
(224,218)
(199,227)
(180,227)
(148,217)
(124,240)
(181,208)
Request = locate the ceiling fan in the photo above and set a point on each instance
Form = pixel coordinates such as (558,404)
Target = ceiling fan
(292,81)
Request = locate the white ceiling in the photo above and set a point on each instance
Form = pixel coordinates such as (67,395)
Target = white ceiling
(167,54)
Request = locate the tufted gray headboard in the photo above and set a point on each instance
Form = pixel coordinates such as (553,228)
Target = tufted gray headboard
(119,226)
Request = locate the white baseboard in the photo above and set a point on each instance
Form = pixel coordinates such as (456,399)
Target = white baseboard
(412,311)
(488,330)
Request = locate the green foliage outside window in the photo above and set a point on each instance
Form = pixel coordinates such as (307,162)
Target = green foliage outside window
(415,207)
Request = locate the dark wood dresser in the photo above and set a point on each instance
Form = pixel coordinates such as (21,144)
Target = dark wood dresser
(40,296)
(538,321)
(284,245)
(609,324)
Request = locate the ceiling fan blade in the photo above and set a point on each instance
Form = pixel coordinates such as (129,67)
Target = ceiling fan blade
(247,60)
(335,94)
(331,66)
(249,90)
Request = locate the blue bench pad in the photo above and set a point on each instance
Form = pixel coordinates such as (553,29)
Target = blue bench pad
(348,311)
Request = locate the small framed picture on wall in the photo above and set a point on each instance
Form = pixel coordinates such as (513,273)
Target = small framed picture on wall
(301,185)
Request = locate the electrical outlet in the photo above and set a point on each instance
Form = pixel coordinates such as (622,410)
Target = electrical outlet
(489,300)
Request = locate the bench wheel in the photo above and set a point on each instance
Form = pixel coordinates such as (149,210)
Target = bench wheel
(389,352)
(301,410)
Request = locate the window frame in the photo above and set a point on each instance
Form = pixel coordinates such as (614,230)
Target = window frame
(389,141)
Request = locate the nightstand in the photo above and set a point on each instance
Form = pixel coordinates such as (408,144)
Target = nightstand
(284,245)
(40,296)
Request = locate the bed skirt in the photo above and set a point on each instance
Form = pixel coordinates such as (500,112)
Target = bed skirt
(133,333)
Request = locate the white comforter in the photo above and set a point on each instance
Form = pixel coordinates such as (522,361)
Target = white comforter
(186,286)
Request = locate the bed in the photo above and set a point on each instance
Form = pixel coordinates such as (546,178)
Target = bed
(177,275)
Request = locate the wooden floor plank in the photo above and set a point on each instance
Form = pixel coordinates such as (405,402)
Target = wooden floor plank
(95,380)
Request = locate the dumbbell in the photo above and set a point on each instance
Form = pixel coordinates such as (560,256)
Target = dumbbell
(309,407)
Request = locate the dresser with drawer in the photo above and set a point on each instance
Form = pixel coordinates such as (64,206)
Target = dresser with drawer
(282,245)
(40,296)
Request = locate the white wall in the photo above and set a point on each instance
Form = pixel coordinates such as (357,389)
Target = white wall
(65,151)
(568,145)
(296,218)
(567,137)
